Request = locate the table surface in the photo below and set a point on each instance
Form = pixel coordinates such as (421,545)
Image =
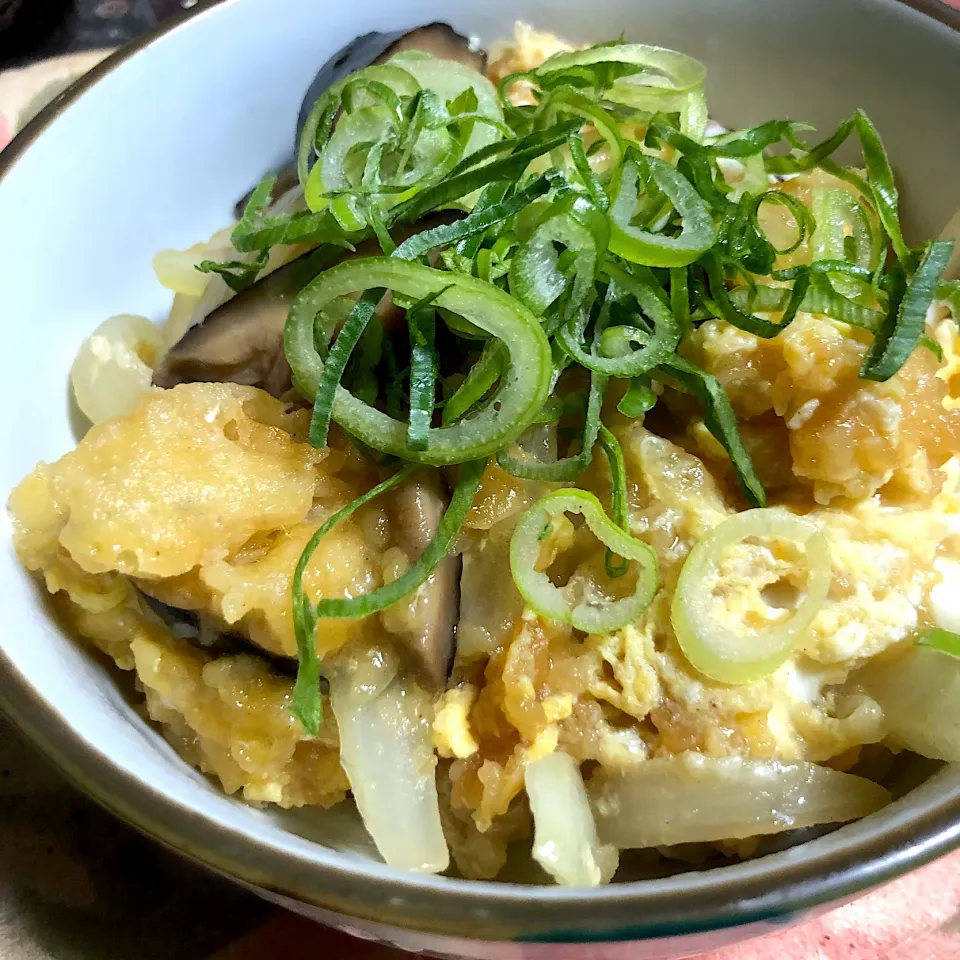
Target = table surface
(77,884)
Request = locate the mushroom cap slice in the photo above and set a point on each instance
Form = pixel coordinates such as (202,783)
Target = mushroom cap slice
(428,632)
(241,341)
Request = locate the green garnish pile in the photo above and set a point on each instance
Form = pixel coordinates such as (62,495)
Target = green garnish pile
(593,228)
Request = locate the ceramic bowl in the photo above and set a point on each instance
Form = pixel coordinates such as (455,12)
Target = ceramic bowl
(151,151)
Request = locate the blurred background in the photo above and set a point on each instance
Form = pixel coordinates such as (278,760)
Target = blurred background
(32,30)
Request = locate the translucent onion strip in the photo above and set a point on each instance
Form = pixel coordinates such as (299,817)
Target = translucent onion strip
(919,694)
(386,750)
(690,798)
(745,655)
(565,839)
(114,366)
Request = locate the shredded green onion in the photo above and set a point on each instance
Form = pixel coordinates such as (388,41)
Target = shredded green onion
(618,496)
(721,422)
(336,363)
(307,703)
(946,641)
(901,331)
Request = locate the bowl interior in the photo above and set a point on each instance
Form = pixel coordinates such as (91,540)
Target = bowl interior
(155,155)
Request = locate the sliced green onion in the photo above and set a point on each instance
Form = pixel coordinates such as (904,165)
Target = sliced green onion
(535,278)
(319,124)
(567,100)
(639,398)
(522,389)
(336,363)
(946,641)
(644,88)
(745,655)
(844,223)
(307,704)
(450,80)
(806,221)
(618,496)
(621,359)
(697,235)
(904,325)
(567,469)
(558,407)
(591,613)
(364,128)
(720,420)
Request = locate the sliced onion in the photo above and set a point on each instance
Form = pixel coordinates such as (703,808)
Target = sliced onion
(386,750)
(114,366)
(919,695)
(177,270)
(565,839)
(690,798)
(745,655)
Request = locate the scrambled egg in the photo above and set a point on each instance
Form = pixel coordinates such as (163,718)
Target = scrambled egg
(632,694)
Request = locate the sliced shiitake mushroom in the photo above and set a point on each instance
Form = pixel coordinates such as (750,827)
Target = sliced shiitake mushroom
(424,629)
(198,629)
(242,340)
(428,631)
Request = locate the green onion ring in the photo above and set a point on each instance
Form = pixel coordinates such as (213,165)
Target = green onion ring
(698,232)
(523,388)
(745,655)
(590,615)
